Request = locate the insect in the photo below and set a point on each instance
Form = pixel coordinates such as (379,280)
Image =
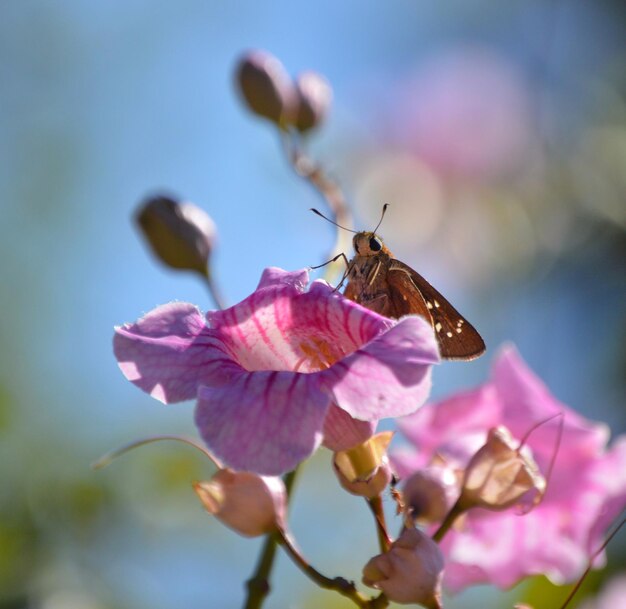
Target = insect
(397,495)
(391,288)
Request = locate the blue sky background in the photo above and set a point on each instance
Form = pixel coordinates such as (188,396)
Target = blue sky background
(103,103)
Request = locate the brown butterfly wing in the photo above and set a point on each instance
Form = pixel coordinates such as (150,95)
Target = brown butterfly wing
(412,294)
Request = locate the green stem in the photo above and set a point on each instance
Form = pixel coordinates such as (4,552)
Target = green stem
(258,585)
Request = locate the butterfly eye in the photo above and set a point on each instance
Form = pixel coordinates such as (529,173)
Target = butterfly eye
(376,244)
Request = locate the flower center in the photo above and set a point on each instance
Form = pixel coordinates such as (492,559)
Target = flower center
(317,354)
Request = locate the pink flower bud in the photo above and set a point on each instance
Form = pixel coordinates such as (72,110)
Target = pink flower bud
(249,504)
(181,235)
(314,95)
(410,572)
(500,474)
(265,86)
(430,493)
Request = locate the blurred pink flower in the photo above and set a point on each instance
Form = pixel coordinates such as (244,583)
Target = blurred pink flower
(467,113)
(611,596)
(586,491)
(271,371)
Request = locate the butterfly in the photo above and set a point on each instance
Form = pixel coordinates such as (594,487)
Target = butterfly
(379,282)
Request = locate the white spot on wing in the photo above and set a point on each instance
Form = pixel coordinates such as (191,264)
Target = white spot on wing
(438,327)
(449,334)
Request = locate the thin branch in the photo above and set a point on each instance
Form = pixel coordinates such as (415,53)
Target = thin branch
(338,584)
(312,172)
(448,521)
(576,587)
(376,506)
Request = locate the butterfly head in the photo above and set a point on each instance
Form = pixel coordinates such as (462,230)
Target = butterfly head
(367,244)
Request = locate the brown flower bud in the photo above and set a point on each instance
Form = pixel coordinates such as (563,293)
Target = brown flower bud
(314,95)
(430,493)
(265,86)
(249,504)
(410,572)
(500,474)
(181,235)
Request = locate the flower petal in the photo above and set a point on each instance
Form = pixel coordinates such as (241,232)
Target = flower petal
(389,376)
(170,351)
(273,276)
(265,422)
(342,432)
(454,428)
(279,327)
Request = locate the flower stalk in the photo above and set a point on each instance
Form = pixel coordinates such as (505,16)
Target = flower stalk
(456,510)
(376,506)
(214,291)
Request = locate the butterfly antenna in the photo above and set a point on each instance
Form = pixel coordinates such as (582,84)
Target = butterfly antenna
(385,206)
(319,213)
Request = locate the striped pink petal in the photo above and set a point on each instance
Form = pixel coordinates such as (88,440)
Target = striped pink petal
(276,276)
(389,376)
(266,422)
(170,352)
(281,328)
(341,431)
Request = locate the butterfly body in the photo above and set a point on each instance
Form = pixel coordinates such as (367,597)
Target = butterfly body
(379,282)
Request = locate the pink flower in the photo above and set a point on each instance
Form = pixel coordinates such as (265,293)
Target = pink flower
(586,491)
(281,370)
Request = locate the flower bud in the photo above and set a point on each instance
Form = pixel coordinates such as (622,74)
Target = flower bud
(430,493)
(410,572)
(265,86)
(370,488)
(361,462)
(313,95)
(181,235)
(500,474)
(249,504)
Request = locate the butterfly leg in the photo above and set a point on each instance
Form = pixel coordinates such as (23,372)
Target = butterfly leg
(342,255)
